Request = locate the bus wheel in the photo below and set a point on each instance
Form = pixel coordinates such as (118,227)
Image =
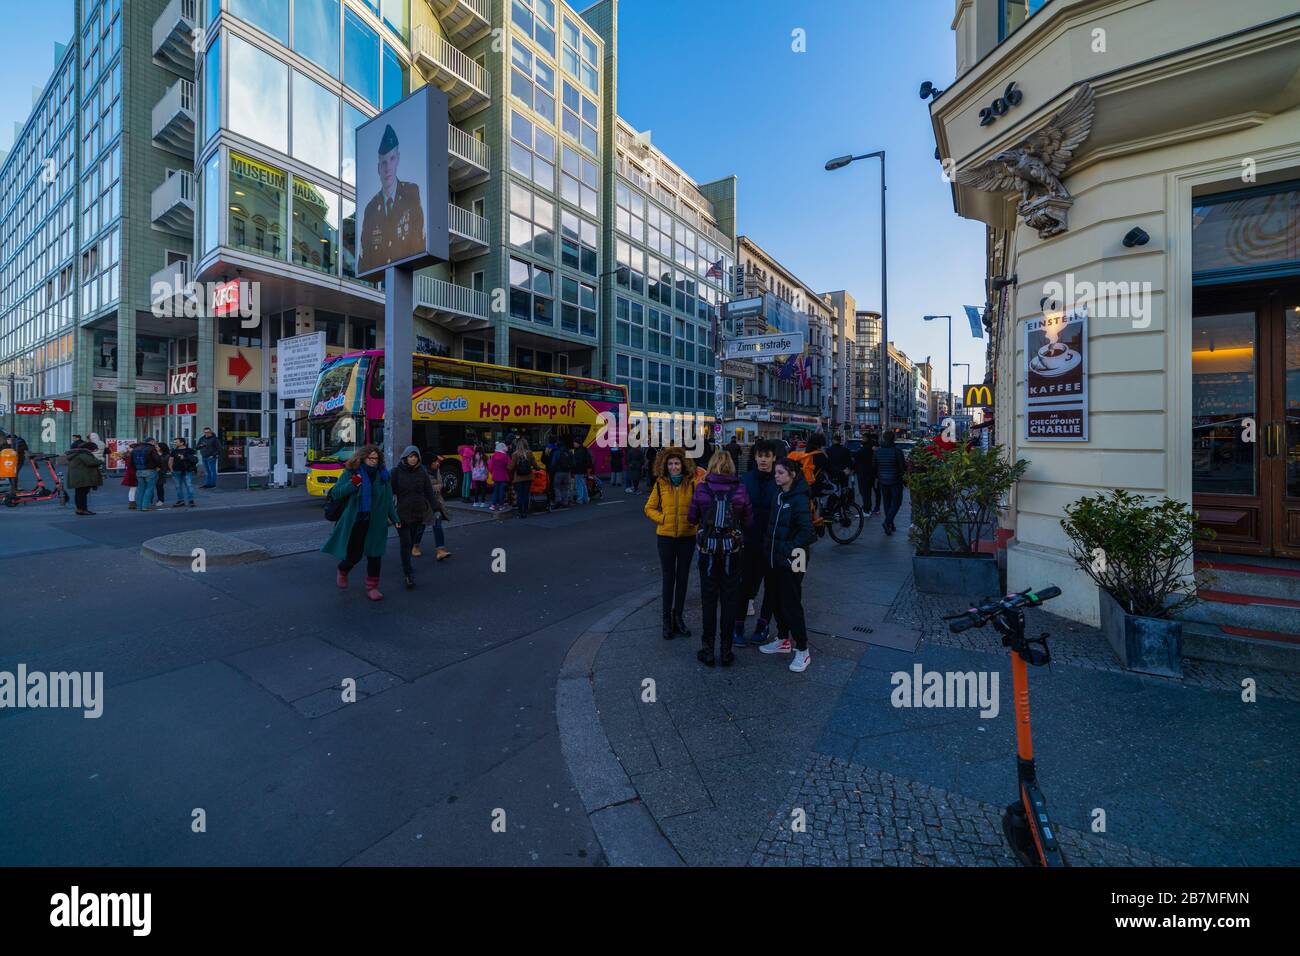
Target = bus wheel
(451,483)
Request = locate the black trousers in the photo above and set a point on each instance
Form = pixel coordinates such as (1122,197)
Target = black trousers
(83,496)
(675,560)
(893,500)
(866,485)
(788,586)
(408,535)
(721,586)
(753,571)
(357,549)
(522,498)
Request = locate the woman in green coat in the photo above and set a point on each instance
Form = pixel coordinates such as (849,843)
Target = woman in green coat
(363,527)
(84,473)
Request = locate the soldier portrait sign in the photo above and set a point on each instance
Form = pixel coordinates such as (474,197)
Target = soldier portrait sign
(402,185)
(1056,376)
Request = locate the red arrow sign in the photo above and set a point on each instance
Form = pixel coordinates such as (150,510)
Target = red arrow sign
(237,367)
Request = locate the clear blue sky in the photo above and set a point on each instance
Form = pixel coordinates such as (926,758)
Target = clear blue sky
(724,93)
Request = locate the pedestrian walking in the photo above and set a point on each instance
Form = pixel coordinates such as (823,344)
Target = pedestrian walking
(616,467)
(581,467)
(891,469)
(864,466)
(721,509)
(184,465)
(478,469)
(733,449)
(440,512)
(85,473)
(145,474)
(164,469)
(562,473)
(667,506)
(521,473)
(416,494)
(787,540)
(466,453)
(210,449)
(499,469)
(362,529)
(761,489)
(635,463)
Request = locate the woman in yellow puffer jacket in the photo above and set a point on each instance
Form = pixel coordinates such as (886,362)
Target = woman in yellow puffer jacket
(667,506)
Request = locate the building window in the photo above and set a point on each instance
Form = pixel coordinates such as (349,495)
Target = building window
(532,81)
(630,211)
(532,151)
(532,293)
(532,222)
(315,227)
(581,118)
(212,90)
(360,56)
(578,181)
(259,96)
(211,202)
(316,32)
(480,350)
(269,16)
(578,308)
(395,76)
(629,371)
(397,16)
(258,207)
(578,248)
(579,56)
(1013,13)
(352,118)
(659,231)
(315,124)
(536,19)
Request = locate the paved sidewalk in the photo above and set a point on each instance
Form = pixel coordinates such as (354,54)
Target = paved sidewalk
(1184,771)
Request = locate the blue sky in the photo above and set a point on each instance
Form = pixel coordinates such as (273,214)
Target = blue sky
(724,92)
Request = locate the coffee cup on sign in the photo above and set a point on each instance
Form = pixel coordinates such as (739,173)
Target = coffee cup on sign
(1053,355)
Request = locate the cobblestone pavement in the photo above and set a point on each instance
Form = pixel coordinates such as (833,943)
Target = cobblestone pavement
(1073,643)
(857,816)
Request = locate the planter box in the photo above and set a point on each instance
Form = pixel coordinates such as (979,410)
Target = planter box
(962,575)
(1148,645)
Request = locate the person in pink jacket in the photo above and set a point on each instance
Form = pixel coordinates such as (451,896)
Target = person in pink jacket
(723,512)
(499,469)
(466,452)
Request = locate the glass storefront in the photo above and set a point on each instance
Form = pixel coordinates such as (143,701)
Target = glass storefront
(1247,235)
(239,418)
(258,207)
(315,227)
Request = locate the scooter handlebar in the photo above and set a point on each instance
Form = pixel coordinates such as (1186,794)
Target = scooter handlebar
(1048,593)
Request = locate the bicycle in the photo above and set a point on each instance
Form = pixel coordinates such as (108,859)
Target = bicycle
(1026,824)
(842,518)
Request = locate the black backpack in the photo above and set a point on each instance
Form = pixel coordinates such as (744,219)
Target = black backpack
(334,507)
(719,535)
(523,465)
(140,458)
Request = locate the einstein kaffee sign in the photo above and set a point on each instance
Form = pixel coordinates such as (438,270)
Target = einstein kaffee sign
(1056,376)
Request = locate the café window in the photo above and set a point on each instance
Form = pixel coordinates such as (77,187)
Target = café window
(1246,234)
(1013,13)
(258,207)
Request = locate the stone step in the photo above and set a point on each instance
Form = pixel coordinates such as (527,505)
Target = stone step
(1251,576)
(1247,612)
(1233,645)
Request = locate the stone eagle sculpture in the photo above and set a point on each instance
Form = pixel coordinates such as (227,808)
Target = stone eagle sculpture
(1034,167)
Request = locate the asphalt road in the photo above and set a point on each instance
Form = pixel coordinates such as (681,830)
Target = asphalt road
(222,694)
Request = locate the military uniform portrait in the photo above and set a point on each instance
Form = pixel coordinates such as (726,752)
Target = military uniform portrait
(392,224)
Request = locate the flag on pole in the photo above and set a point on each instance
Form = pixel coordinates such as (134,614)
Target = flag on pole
(976,320)
(715,270)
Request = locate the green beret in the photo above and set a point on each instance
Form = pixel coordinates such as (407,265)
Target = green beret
(389,142)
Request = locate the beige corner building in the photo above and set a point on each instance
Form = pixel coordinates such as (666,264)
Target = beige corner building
(1141,158)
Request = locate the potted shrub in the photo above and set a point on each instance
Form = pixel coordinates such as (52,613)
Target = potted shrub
(1138,551)
(957,496)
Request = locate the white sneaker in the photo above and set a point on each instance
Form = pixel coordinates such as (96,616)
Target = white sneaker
(777,646)
(800,662)
(751,609)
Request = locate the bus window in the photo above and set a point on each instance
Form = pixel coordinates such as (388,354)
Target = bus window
(333,439)
(377,377)
(502,379)
(377,432)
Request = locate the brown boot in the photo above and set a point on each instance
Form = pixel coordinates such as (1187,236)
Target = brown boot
(443,554)
(416,552)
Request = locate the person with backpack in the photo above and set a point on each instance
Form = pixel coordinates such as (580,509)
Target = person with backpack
(864,466)
(478,471)
(562,473)
(581,467)
(164,470)
(786,542)
(521,470)
(721,508)
(417,501)
(635,461)
(761,490)
(85,473)
(365,492)
(891,469)
(184,464)
(466,453)
(667,506)
(146,463)
(210,449)
(499,469)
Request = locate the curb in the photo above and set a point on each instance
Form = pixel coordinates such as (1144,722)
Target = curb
(627,833)
(176,550)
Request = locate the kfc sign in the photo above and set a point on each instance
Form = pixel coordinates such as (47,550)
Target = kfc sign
(225,298)
(40,408)
(183,381)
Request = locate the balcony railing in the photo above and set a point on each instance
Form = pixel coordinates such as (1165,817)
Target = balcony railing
(470,159)
(464,21)
(173,37)
(173,119)
(470,232)
(454,306)
(468,86)
(173,202)
(169,288)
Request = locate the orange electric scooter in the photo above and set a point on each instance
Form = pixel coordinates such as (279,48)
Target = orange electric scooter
(1026,824)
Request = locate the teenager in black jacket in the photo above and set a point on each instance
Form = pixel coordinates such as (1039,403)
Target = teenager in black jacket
(891,469)
(786,543)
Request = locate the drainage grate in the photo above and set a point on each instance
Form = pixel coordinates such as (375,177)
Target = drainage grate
(863,629)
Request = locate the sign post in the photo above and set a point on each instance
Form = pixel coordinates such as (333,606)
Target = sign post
(298,362)
(401,227)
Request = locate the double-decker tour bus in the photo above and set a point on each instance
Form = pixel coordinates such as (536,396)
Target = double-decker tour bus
(454,402)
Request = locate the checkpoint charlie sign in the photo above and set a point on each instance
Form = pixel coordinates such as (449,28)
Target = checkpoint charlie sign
(1056,376)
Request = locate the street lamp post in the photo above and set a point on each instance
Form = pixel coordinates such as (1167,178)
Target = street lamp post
(928,318)
(839,163)
(966,366)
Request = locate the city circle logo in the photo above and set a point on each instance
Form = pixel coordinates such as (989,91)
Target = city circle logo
(432,406)
(329,405)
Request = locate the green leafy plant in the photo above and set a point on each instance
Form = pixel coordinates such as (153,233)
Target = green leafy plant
(1137,549)
(961,491)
